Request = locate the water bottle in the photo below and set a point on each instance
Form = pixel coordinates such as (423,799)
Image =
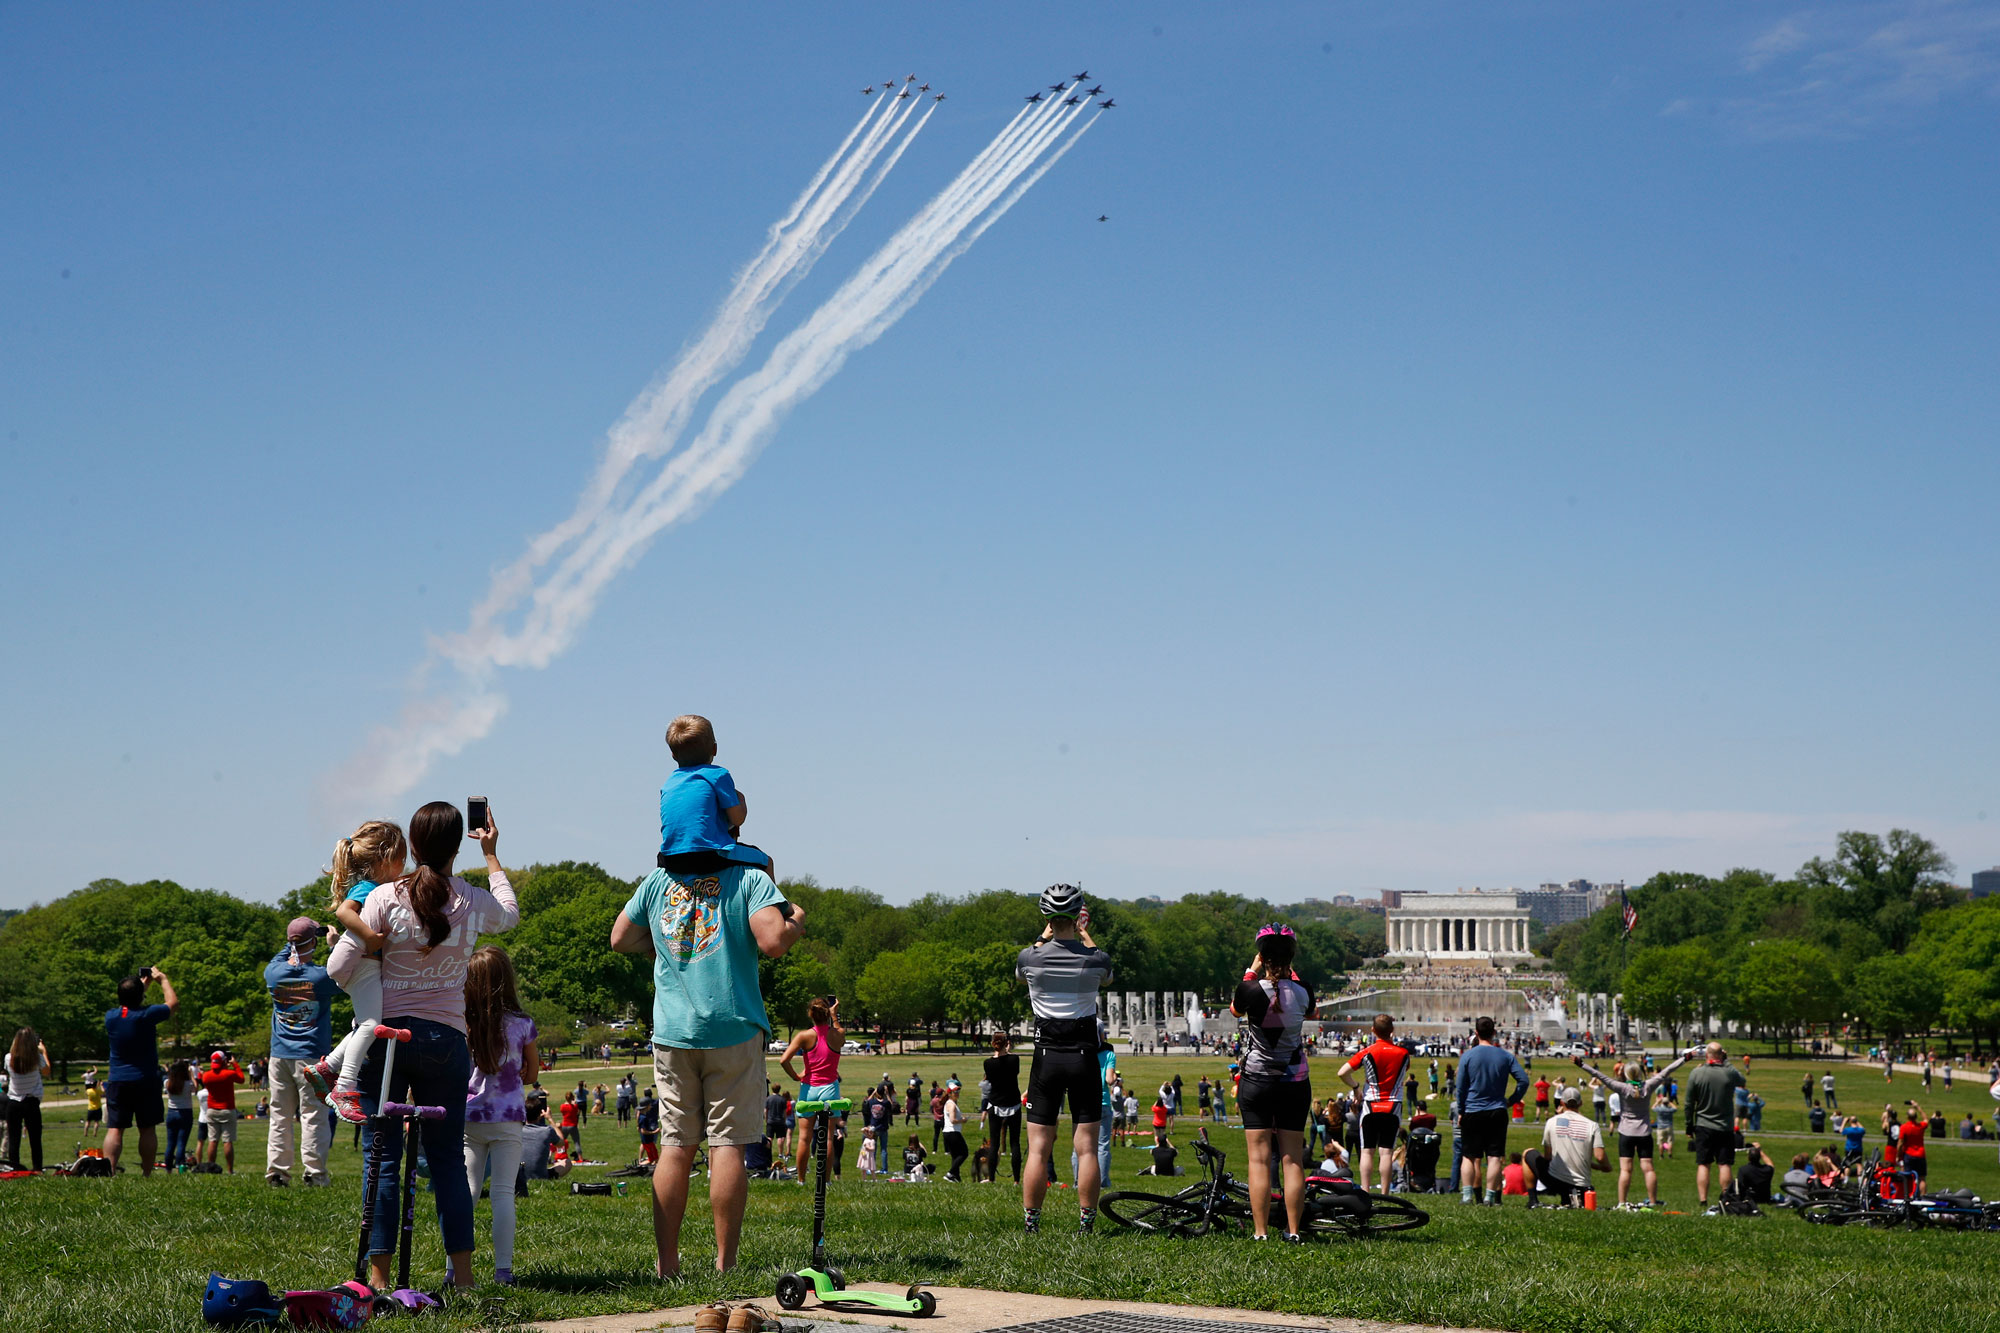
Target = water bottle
(1590,1200)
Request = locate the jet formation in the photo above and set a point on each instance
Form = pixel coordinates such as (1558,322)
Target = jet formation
(1076,98)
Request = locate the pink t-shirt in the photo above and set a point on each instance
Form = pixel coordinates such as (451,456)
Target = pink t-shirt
(420,984)
(498,1096)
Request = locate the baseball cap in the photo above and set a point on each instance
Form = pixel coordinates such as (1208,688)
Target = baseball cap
(217,1058)
(301,928)
(1572,1097)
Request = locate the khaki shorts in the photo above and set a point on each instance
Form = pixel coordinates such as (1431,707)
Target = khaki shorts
(714,1094)
(221,1126)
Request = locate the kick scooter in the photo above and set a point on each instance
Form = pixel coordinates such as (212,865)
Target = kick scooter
(821,1278)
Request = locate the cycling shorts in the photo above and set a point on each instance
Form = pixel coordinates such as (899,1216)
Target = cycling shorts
(1378,1129)
(1919,1166)
(1274,1103)
(1714,1147)
(1636,1145)
(1057,1075)
(1483,1133)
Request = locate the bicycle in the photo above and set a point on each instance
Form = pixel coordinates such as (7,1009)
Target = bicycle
(1882,1197)
(1220,1202)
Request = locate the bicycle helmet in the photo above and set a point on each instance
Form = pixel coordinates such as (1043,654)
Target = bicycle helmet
(1062,900)
(237,1302)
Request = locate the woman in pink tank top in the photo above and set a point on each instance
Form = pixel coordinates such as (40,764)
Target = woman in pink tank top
(821,1050)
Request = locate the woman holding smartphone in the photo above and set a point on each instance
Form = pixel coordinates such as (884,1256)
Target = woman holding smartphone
(429,923)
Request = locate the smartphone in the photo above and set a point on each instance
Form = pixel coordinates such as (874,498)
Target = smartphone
(475,814)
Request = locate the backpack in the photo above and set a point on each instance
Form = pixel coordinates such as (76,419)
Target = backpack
(88,1166)
(1739,1205)
(1425,1144)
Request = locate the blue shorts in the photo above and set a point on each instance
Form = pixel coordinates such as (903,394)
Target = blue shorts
(815,1092)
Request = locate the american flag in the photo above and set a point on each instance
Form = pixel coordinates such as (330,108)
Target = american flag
(1631,912)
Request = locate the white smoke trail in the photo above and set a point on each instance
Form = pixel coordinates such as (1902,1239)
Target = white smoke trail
(604,534)
(654,421)
(861,311)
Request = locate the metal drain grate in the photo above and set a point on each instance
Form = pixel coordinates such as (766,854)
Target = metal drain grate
(1115,1321)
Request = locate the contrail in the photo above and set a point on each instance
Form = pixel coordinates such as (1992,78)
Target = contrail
(654,421)
(605,533)
(886,285)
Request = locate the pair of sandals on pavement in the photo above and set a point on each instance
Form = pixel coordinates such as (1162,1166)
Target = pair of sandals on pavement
(738,1317)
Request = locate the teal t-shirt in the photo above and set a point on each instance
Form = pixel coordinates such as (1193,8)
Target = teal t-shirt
(705,992)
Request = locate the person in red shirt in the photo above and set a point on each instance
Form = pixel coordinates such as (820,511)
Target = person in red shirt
(1382,1065)
(220,1080)
(572,1130)
(1910,1145)
(1541,1096)
(1514,1176)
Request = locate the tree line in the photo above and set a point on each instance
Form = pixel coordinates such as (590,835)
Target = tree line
(933,963)
(1874,938)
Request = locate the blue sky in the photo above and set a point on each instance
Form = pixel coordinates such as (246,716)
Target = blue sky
(1484,446)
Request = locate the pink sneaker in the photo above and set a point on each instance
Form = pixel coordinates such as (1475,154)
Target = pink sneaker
(347,1105)
(319,1076)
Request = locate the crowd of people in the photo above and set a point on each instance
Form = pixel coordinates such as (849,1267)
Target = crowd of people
(406,952)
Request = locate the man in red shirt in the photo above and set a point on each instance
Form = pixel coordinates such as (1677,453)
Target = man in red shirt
(220,1080)
(1382,1065)
(1910,1144)
(1541,1096)
(572,1128)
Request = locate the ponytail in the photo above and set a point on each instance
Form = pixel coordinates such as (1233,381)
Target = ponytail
(360,853)
(436,831)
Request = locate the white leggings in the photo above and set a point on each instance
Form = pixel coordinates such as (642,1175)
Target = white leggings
(364,987)
(498,1143)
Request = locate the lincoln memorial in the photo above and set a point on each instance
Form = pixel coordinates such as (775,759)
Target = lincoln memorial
(1456,927)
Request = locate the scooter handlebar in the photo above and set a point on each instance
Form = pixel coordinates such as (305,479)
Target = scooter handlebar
(393,1034)
(396,1109)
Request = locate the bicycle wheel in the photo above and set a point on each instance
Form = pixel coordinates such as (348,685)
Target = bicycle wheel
(1831,1214)
(1393,1212)
(1161,1214)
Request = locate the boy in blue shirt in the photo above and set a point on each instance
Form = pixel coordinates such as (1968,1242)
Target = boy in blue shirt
(701,811)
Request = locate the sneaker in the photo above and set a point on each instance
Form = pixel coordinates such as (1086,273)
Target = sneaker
(1086,1220)
(504,1276)
(276,1182)
(319,1076)
(1713,1210)
(1294,1238)
(318,1182)
(347,1105)
(1031,1222)
(1266,1237)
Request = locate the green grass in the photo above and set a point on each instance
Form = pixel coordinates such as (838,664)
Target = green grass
(128,1254)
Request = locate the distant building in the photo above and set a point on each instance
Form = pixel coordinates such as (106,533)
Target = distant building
(1985,882)
(1553,905)
(1343,900)
(1392,899)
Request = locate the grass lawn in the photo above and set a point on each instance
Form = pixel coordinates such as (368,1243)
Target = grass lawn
(131,1254)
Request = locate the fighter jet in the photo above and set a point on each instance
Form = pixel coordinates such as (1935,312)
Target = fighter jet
(911,79)
(1104,217)
(903,96)
(923,87)
(1094,91)
(868,91)
(1071,101)
(1032,97)
(1058,87)
(938,97)
(1106,104)
(1081,77)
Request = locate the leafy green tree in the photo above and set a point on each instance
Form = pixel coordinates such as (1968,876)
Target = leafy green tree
(1896,994)
(1785,984)
(1675,986)
(555,1027)
(1961,946)
(905,987)
(792,982)
(1887,883)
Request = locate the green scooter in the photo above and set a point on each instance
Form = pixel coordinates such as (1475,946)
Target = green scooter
(821,1278)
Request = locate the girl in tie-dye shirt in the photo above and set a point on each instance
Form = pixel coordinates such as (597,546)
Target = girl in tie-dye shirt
(504,1061)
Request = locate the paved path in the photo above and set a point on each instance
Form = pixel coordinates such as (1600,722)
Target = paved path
(973,1310)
